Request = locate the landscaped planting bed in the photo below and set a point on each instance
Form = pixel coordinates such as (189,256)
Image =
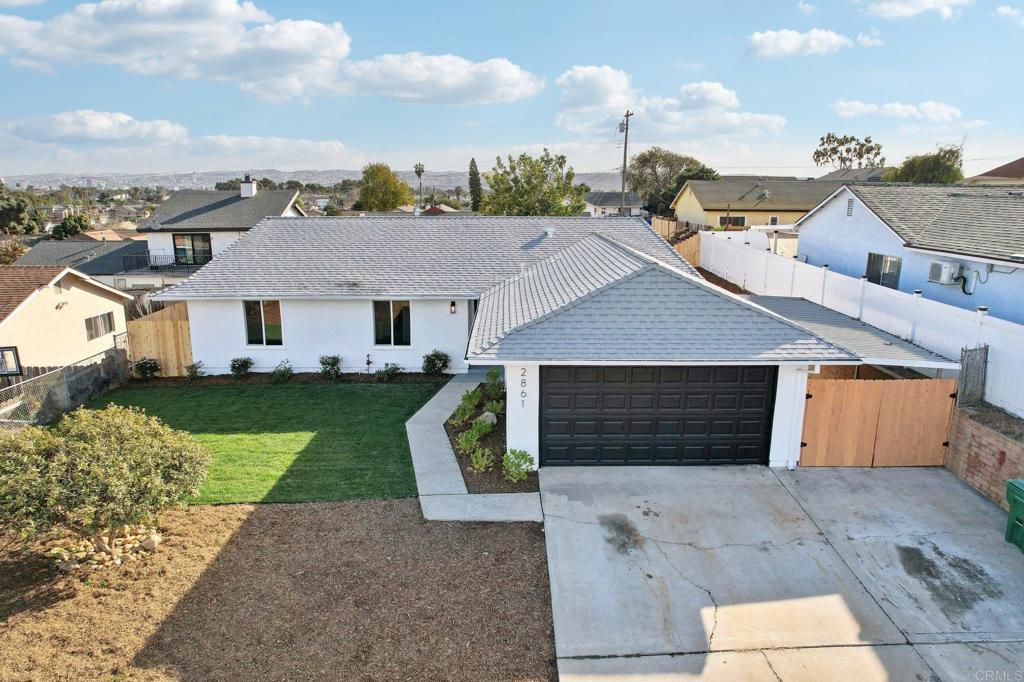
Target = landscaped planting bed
(293,442)
(493,480)
(362,590)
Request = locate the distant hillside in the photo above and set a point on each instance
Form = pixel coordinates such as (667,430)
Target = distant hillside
(207,179)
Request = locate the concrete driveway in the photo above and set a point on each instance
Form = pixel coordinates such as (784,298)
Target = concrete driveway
(743,572)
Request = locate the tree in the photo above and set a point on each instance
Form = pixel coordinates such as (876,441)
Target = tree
(533,186)
(476,192)
(418,169)
(382,190)
(845,150)
(70,225)
(663,205)
(458,191)
(944,167)
(94,472)
(17,216)
(11,249)
(653,171)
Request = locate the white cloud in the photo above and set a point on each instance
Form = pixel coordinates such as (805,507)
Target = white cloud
(872,38)
(805,7)
(594,98)
(86,125)
(235,41)
(903,9)
(787,42)
(1014,14)
(931,111)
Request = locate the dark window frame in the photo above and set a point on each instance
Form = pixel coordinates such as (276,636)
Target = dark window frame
(732,221)
(99,326)
(5,371)
(265,338)
(879,270)
(398,332)
(190,255)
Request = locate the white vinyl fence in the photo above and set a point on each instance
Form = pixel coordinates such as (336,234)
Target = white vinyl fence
(941,328)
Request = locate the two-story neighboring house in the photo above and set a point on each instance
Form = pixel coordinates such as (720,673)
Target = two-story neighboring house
(101,260)
(743,202)
(51,316)
(611,203)
(191,227)
(960,245)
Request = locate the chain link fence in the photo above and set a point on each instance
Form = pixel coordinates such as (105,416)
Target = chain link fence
(46,397)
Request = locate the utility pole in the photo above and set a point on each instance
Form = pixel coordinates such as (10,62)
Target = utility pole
(624,128)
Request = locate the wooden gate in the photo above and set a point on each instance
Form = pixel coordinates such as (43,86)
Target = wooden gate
(876,422)
(163,336)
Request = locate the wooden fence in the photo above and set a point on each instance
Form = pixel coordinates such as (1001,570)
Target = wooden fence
(163,336)
(877,422)
(689,249)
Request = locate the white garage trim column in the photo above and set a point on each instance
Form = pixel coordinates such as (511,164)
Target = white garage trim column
(522,408)
(788,419)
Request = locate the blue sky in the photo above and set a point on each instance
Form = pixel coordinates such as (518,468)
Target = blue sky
(175,85)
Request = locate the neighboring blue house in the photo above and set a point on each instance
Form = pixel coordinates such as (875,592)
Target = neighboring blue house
(961,245)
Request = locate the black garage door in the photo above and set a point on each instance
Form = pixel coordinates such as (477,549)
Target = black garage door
(655,415)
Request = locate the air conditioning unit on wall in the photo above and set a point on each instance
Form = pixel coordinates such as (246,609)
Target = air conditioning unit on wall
(942,272)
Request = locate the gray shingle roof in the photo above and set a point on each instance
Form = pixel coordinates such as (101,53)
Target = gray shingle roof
(1011,171)
(211,211)
(611,199)
(760,195)
(867,342)
(398,255)
(89,257)
(961,219)
(600,301)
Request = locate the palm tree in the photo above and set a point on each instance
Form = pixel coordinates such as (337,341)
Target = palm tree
(418,169)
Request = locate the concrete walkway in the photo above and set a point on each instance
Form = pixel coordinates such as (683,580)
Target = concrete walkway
(442,491)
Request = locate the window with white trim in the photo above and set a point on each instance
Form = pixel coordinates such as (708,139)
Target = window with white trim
(884,270)
(773,220)
(263,323)
(99,325)
(9,364)
(392,323)
(732,220)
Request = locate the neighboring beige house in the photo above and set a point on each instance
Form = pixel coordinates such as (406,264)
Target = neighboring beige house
(745,202)
(51,316)
(1008,174)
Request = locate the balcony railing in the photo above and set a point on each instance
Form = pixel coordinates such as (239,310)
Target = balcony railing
(160,262)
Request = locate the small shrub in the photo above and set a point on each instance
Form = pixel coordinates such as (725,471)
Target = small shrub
(516,465)
(470,438)
(147,368)
(330,366)
(241,367)
(495,386)
(94,472)
(388,372)
(282,373)
(466,408)
(495,406)
(195,370)
(436,362)
(481,460)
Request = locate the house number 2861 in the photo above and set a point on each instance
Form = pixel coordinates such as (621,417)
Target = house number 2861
(522,385)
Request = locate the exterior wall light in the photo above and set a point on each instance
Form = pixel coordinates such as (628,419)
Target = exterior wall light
(451,307)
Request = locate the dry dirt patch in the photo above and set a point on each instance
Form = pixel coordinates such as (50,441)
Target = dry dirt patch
(351,590)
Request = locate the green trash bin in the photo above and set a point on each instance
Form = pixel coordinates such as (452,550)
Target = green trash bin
(1015,523)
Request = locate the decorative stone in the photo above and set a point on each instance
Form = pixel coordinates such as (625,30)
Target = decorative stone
(488,417)
(150,542)
(67,566)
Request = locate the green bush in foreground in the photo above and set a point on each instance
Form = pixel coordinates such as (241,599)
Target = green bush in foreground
(94,472)
(240,367)
(481,460)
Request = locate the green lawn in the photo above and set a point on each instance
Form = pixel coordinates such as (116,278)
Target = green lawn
(293,443)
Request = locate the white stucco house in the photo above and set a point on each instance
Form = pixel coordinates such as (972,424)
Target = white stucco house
(51,316)
(612,203)
(615,350)
(191,227)
(960,245)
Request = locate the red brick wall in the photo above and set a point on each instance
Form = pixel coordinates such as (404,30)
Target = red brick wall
(983,457)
